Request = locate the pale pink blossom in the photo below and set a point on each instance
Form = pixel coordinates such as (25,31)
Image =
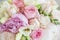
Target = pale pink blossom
(30,11)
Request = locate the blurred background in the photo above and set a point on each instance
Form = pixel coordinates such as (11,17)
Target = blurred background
(58,1)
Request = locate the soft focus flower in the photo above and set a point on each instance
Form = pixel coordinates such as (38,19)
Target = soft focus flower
(21,17)
(44,20)
(35,23)
(19,4)
(14,23)
(30,11)
(25,30)
(2,28)
(36,34)
(49,5)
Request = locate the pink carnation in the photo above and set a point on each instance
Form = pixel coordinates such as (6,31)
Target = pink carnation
(30,11)
(21,17)
(14,23)
(36,34)
(2,28)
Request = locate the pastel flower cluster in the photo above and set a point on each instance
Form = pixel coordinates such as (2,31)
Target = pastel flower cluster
(28,19)
(22,17)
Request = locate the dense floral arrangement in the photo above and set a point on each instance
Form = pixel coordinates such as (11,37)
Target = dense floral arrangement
(30,19)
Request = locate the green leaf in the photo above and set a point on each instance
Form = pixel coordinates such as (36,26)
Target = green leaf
(38,6)
(51,19)
(55,19)
(27,29)
(10,1)
(50,15)
(25,37)
(28,37)
(57,23)
(44,13)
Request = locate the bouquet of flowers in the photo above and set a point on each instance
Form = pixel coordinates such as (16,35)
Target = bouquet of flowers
(29,20)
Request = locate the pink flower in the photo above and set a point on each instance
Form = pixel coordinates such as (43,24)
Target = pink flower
(2,28)
(14,23)
(30,11)
(21,17)
(36,34)
(20,5)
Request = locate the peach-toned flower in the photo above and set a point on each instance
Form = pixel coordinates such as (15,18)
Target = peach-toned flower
(35,23)
(19,4)
(30,11)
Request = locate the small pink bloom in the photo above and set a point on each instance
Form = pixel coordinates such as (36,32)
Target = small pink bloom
(30,11)
(36,34)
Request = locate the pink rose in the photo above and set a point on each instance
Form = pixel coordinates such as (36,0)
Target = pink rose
(19,4)
(36,34)
(30,11)
(14,23)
